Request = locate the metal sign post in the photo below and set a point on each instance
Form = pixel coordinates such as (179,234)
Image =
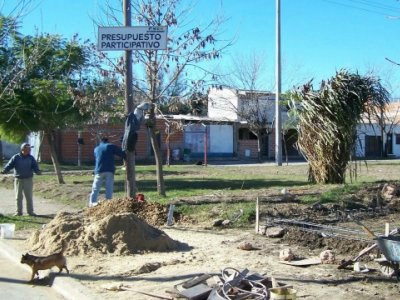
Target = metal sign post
(127,38)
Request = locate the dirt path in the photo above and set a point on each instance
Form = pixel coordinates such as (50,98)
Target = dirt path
(211,251)
(44,207)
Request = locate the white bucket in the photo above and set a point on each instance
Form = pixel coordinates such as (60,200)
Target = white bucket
(7,230)
(283,293)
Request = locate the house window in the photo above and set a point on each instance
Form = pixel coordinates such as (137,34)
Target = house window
(246,134)
(397,139)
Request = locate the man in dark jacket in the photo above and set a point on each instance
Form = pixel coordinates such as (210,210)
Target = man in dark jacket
(104,169)
(24,165)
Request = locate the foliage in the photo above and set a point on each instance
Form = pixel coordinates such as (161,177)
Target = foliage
(101,100)
(41,100)
(328,118)
(10,65)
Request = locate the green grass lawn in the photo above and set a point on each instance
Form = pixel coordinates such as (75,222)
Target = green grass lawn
(24,222)
(187,181)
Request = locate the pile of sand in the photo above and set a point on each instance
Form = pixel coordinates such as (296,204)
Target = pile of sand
(152,213)
(111,227)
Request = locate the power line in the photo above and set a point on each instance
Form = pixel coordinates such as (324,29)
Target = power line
(367,4)
(376,4)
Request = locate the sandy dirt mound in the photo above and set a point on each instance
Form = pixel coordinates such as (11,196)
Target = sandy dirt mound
(152,213)
(118,226)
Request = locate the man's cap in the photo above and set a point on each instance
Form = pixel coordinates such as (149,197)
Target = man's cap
(26,145)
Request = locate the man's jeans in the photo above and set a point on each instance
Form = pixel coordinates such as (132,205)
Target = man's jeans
(99,180)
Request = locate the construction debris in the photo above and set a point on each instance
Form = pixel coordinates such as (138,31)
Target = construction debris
(365,251)
(327,257)
(245,245)
(286,255)
(275,232)
(232,284)
(361,268)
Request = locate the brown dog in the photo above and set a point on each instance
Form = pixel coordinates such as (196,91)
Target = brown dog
(45,262)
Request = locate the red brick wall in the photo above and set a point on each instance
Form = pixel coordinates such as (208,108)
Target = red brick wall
(67,142)
(244,145)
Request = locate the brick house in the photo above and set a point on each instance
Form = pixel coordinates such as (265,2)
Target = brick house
(222,134)
(187,142)
(231,104)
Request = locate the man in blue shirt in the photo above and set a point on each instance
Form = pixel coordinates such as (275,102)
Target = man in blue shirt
(24,164)
(104,169)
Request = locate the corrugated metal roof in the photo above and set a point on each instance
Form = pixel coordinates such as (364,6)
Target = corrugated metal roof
(194,118)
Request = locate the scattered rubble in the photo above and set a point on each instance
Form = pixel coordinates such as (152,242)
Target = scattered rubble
(286,255)
(245,245)
(327,257)
(232,284)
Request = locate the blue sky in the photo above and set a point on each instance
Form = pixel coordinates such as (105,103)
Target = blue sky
(318,37)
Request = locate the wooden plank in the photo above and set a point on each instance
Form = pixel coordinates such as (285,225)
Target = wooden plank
(302,262)
(362,253)
(197,292)
(257,216)
(195,281)
(147,294)
(387,230)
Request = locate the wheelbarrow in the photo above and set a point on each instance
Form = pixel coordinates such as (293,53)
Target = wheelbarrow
(390,248)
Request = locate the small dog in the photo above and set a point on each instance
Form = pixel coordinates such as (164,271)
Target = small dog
(46,262)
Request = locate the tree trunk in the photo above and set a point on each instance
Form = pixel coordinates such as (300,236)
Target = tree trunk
(159,169)
(324,174)
(1,153)
(259,144)
(130,174)
(54,158)
(285,148)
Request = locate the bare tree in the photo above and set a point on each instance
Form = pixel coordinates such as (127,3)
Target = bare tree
(254,106)
(188,46)
(246,72)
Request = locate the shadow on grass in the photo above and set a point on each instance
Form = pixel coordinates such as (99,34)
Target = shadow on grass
(211,184)
(26,221)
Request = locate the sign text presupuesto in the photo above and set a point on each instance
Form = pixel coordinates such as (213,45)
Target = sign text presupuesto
(132,38)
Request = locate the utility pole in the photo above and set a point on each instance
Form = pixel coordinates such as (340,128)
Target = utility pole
(130,155)
(278,119)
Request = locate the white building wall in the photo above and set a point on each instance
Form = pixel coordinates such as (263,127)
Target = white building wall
(225,102)
(374,130)
(222,103)
(221,139)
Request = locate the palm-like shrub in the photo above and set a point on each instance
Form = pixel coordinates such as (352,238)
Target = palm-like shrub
(328,119)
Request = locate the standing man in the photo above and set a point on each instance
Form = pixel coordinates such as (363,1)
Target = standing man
(104,169)
(24,164)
